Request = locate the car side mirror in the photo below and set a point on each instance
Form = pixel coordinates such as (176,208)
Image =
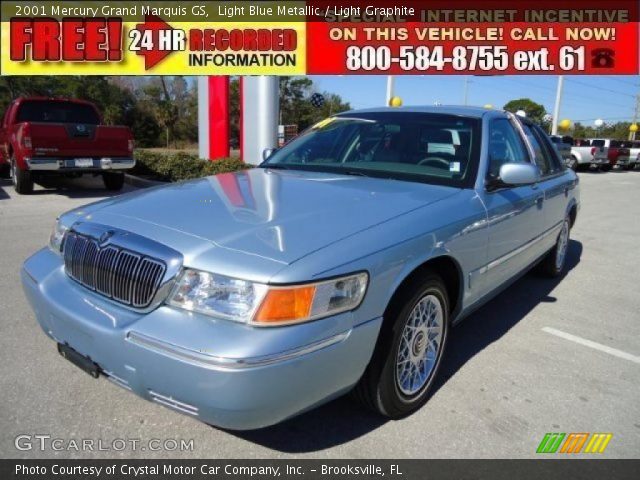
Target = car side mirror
(267,152)
(514,174)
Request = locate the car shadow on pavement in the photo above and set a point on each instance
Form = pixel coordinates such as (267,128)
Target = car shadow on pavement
(343,420)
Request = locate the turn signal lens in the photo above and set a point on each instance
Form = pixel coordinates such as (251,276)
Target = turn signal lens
(285,305)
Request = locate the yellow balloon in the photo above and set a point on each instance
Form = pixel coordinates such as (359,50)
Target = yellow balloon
(488,106)
(633,128)
(565,124)
(395,102)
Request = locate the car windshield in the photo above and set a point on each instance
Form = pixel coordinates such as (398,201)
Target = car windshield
(52,111)
(422,147)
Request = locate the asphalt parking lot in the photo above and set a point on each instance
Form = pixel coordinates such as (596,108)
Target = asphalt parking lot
(520,367)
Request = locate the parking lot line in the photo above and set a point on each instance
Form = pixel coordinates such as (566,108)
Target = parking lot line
(588,343)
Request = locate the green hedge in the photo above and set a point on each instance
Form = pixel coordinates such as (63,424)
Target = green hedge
(173,167)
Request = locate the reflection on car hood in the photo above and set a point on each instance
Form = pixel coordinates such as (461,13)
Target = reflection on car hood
(276,214)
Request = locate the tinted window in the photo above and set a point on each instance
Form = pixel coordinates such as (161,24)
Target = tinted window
(425,147)
(50,111)
(550,152)
(597,143)
(505,146)
(542,157)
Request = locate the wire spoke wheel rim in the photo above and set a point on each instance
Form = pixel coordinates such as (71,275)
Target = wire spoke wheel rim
(563,242)
(420,344)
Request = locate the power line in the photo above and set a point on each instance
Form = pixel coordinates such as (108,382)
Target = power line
(601,88)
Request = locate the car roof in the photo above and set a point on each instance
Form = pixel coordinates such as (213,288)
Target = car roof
(476,112)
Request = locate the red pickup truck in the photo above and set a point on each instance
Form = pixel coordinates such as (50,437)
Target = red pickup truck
(53,136)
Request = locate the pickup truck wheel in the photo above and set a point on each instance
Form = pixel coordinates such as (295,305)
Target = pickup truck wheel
(553,264)
(113,181)
(573,164)
(22,179)
(409,351)
(606,168)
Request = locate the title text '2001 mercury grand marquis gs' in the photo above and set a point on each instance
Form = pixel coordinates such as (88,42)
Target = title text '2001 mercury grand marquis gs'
(339,264)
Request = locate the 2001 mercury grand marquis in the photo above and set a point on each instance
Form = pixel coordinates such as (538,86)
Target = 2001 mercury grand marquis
(340,263)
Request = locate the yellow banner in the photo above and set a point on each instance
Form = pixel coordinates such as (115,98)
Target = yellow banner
(139,38)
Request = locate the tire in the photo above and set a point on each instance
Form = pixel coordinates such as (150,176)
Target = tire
(385,387)
(554,262)
(582,167)
(113,181)
(606,168)
(22,179)
(573,164)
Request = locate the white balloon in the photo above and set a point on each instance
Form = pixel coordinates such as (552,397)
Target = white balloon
(599,122)
(521,113)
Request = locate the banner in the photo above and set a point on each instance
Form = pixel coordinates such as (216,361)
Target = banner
(319,37)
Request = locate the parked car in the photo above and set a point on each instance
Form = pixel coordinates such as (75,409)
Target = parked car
(585,155)
(634,154)
(618,153)
(52,136)
(322,271)
(563,145)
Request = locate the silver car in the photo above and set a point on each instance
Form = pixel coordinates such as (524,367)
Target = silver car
(339,264)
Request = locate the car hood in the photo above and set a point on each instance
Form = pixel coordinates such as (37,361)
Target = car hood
(275,214)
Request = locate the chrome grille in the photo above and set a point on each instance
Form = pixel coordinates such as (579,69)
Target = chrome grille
(123,275)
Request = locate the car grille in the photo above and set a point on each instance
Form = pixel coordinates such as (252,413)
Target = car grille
(122,275)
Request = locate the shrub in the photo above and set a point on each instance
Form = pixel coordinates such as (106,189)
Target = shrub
(173,167)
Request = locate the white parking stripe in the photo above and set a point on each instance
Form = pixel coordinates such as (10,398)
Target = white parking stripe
(588,343)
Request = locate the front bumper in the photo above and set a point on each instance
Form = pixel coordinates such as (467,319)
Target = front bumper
(227,374)
(79,164)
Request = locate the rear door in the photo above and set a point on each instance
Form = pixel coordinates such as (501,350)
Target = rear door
(556,183)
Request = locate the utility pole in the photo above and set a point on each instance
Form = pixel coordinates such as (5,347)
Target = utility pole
(390,88)
(632,135)
(556,110)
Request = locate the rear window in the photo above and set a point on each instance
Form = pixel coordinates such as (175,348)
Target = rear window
(597,143)
(57,112)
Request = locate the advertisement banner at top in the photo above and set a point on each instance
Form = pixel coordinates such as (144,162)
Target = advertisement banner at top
(492,37)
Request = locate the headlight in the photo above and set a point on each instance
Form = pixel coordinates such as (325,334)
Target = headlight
(55,240)
(265,305)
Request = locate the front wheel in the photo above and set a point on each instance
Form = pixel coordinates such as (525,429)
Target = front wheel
(409,351)
(113,181)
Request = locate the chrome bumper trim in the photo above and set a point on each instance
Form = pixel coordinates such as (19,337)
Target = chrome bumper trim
(68,164)
(206,360)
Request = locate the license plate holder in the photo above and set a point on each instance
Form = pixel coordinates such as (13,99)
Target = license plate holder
(84,363)
(84,162)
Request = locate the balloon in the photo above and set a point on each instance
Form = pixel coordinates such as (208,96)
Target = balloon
(565,124)
(633,128)
(488,106)
(599,122)
(521,113)
(395,102)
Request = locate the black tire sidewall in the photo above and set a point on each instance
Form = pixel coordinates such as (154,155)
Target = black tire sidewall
(390,400)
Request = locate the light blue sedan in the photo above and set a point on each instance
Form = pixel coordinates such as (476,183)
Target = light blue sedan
(341,263)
